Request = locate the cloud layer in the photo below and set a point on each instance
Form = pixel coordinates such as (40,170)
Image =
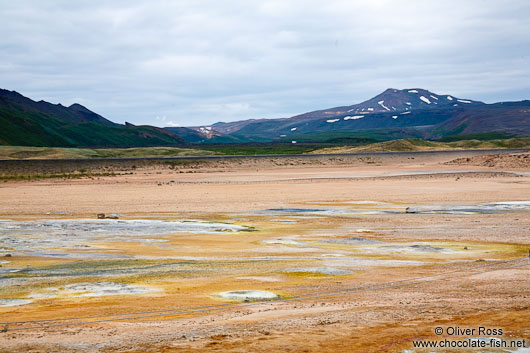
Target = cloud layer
(197,62)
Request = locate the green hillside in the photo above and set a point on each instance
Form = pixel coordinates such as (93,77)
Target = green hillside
(27,123)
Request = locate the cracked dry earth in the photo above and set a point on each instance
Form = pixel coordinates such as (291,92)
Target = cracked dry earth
(350,269)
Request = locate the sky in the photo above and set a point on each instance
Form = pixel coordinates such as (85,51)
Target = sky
(197,62)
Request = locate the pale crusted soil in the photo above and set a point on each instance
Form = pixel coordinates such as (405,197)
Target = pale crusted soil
(516,160)
(371,321)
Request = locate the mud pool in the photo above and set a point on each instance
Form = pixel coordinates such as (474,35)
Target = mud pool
(62,237)
(218,257)
(248,295)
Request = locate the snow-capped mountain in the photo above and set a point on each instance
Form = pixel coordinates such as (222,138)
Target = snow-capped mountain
(393,108)
(394,100)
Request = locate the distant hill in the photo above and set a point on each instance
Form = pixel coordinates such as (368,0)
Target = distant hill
(394,113)
(25,122)
(204,135)
(507,117)
(394,101)
(76,113)
(392,109)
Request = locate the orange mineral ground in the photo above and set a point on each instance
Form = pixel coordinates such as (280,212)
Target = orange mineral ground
(276,255)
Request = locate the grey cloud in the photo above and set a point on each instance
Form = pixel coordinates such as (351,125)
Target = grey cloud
(198,62)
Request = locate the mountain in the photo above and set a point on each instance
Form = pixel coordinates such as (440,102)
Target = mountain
(76,113)
(393,114)
(390,101)
(506,117)
(394,101)
(28,123)
(234,126)
(393,109)
(203,135)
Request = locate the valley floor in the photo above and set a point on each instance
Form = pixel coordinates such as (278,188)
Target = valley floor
(361,255)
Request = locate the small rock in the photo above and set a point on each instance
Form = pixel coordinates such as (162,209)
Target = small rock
(8,255)
(110,216)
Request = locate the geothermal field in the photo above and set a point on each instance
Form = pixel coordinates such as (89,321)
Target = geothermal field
(348,253)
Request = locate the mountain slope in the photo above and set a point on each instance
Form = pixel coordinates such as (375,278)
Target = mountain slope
(392,108)
(284,129)
(395,101)
(204,135)
(25,122)
(394,113)
(389,115)
(76,113)
(507,117)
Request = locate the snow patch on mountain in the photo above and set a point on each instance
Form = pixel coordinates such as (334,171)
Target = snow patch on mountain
(426,100)
(381,103)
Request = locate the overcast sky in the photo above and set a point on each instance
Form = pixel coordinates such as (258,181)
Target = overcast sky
(198,62)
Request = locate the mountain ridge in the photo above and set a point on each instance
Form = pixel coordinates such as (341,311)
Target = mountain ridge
(76,113)
(410,109)
(391,100)
(26,122)
(391,114)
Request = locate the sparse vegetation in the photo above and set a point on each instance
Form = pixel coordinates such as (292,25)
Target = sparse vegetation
(38,176)
(342,145)
(425,145)
(484,136)
(175,164)
(260,149)
(353,137)
(23,152)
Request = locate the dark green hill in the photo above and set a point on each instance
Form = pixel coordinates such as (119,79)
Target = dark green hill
(25,122)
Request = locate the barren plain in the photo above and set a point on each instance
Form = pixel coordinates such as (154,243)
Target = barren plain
(321,254)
